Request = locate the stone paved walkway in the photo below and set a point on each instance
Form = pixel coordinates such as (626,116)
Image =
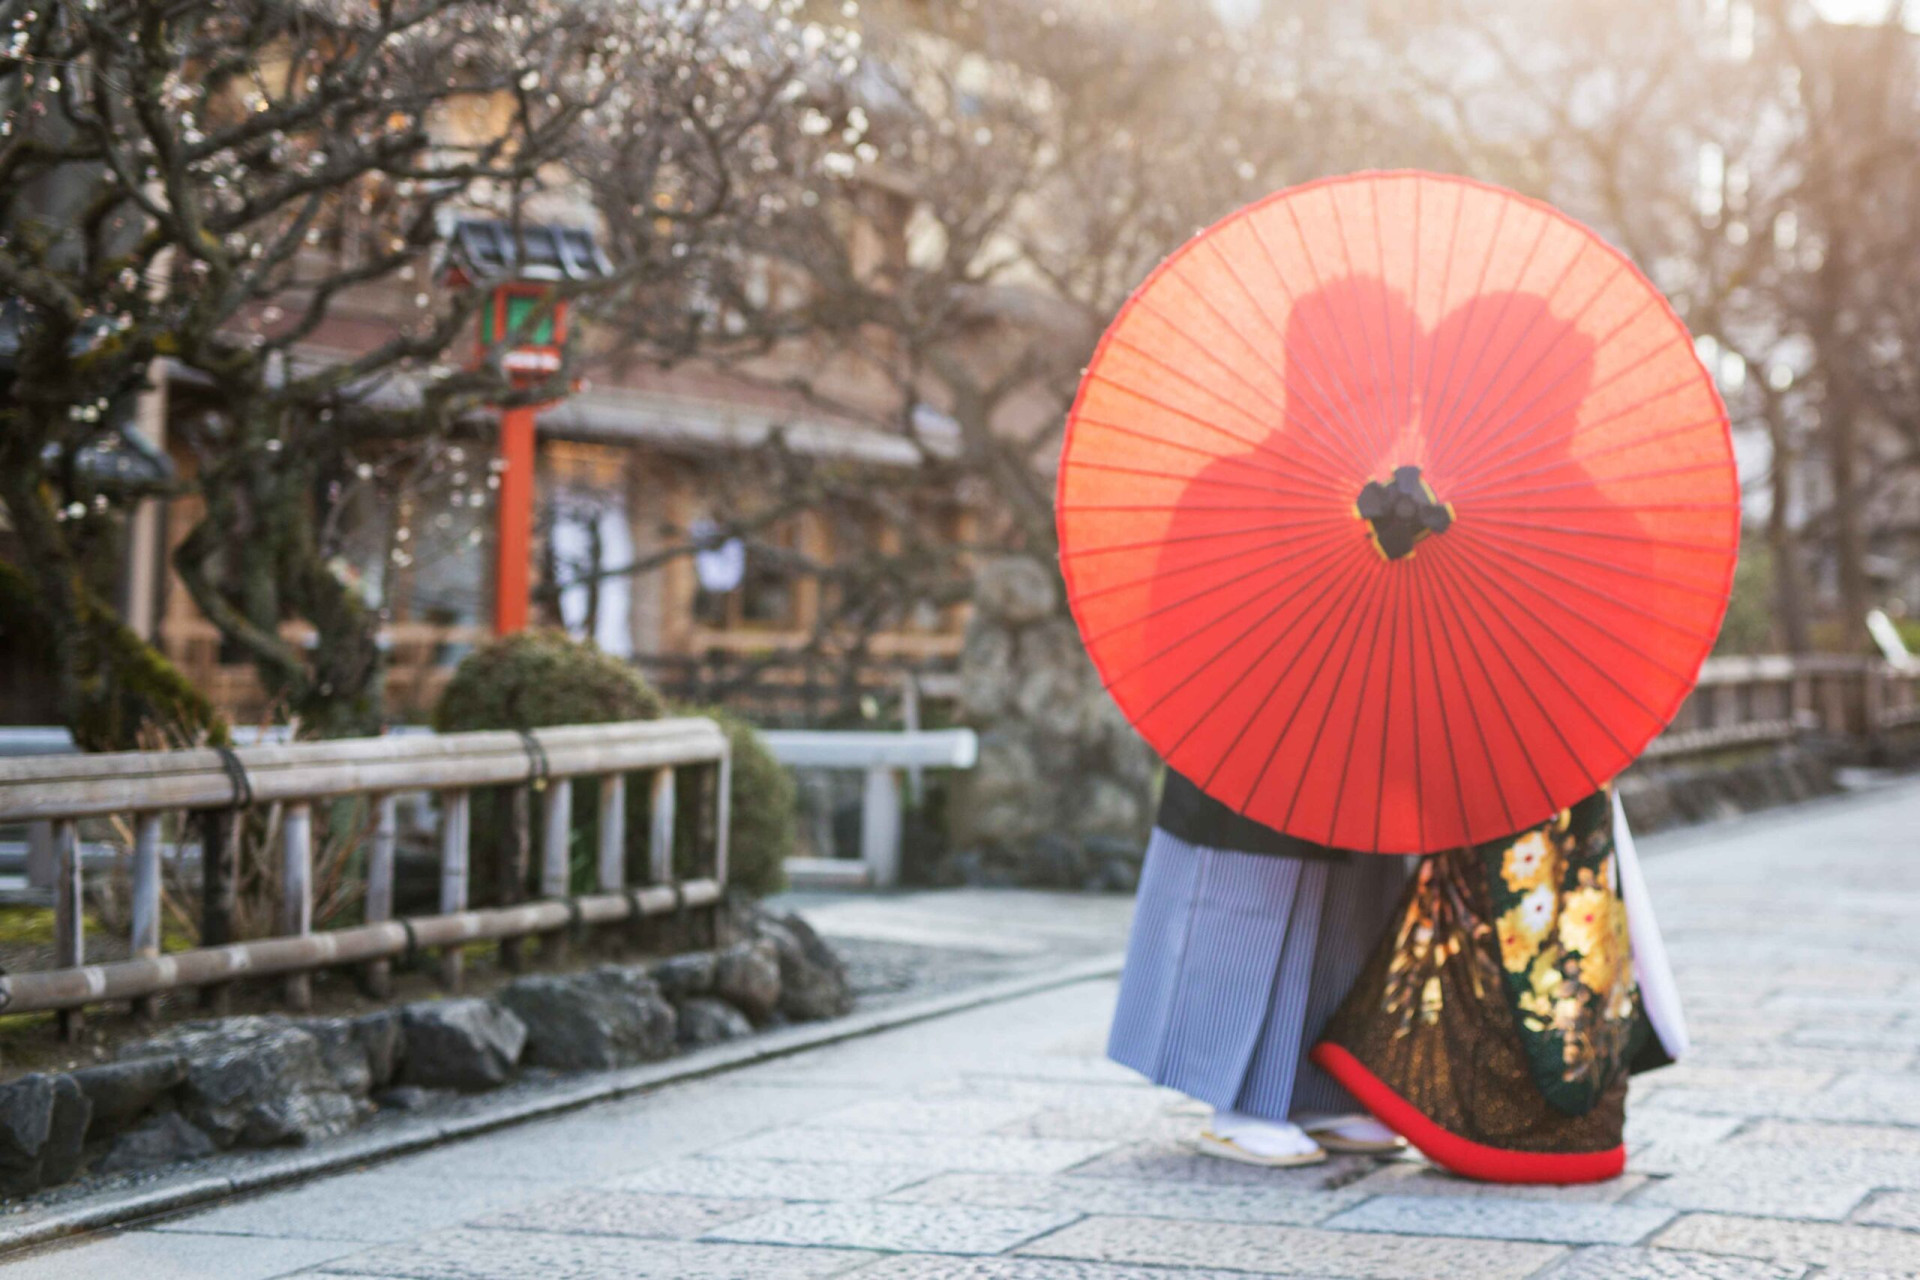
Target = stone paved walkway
(997,1145)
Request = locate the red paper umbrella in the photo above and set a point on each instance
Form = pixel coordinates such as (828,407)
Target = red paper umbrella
(1397,512)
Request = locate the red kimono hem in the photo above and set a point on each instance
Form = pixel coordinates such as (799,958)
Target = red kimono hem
(1463,1156)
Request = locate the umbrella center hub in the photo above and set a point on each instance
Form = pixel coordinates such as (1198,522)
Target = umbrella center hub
(1402,512)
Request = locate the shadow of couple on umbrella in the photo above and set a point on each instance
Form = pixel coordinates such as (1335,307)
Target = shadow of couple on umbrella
(1272,591)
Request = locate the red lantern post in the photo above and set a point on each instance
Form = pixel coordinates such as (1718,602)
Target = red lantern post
(520,265)
(535,356)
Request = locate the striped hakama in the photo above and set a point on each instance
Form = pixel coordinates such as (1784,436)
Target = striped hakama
(1235,963)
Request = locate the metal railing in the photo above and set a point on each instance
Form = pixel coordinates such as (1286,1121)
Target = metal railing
(216,785)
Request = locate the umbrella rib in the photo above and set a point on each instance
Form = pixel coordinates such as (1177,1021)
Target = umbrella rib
(1595,666)
(1374,385)
(1384,603)
(1446,721)
(1473,425)
(1162,575)
(1154,544)
(1262,445)
(1446,286)
(1273,264)
(1552,721)
(1595,482)
(1324,565)
(1677,544)
(1513,726)
(1693,588)
(1479,732)
(1591,590)
(1431,411)
(1611,508)
(1413,313)
(1458,493)
(1083,420)
(1500,458)
(1399,589)
(1212,482)
(1279,409)
(1460,575)
(1332,580)
(1233,273)
(1286,729)
(1339,330)
(1411,593)
(1452,414)
(1141,507)
(1547,418)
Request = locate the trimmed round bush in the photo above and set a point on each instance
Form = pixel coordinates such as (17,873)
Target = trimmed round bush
(534,680)
(541,678)
(763,808)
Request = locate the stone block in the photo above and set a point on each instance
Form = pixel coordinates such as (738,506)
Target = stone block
(460,1044)
(705,1020)
(611,1017)
(1494,1218)
(26,1116)
(66,1132)
(1770,1193)
(773,1179)
(686,975)
(920,1266)
(160,1139)
(602,1212)
(122,1092)
(1826,1244)
(1280,1250)
(1016,589)
(1119,1197)
(891,1226)
(254,1081)
(1608,1262)
(984,1154)
(747,975)
(469,1254)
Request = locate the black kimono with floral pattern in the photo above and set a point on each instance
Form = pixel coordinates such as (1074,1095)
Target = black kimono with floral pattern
(1495,1024)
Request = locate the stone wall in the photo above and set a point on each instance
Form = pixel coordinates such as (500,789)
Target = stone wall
(200,1088)
(1062,792)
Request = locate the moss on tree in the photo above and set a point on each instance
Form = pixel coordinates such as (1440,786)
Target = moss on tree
(129,685)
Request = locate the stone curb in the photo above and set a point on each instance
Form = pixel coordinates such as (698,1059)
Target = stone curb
(197,1187)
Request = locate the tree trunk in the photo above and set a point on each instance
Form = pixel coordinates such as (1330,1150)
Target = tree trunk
(1789,585)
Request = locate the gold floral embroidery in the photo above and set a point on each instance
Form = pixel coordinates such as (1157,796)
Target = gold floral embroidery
(1531,860)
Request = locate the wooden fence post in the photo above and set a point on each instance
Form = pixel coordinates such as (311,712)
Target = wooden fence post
(43,860)
(453,876)
(296,892)
(69,913)
(515,859)
(556,854)
(144,941)
(556,833)
(217,834)
(378,975)
(723,817)
(660,834)
(613,833)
